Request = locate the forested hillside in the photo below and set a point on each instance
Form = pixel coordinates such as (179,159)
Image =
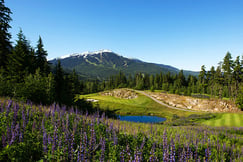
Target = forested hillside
(104,63)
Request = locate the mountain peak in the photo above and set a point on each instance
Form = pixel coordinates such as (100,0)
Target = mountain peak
(102,64)
(86,53)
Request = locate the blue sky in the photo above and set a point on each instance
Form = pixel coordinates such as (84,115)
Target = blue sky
(183,33)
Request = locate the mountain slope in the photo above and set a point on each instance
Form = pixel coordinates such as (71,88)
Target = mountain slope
(102,64)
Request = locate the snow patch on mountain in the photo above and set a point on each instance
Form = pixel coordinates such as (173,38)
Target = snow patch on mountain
(86,53)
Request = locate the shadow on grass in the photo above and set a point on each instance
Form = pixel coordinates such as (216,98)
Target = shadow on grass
(193,119)
(87,106)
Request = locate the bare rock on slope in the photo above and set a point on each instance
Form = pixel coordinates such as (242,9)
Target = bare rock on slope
(209,105)
(121,93)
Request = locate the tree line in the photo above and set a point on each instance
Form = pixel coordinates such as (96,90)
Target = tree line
(226,81)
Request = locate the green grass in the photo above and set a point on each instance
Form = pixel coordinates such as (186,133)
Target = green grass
(226,119)
(141,105)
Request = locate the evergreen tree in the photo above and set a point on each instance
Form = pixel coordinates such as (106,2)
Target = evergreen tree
(227,67)
(20,60)
(192,80)
(202,79)
(241,74)
(236,75)
(227,63)
(151,82)
(218,82)
(59,83)
(41,61)
(211,80)
(5,36)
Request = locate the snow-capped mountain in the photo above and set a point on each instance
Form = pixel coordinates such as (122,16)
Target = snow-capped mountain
(104,63)
(85,54)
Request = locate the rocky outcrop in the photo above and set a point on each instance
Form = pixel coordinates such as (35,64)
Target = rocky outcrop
(121,93)
(185,102)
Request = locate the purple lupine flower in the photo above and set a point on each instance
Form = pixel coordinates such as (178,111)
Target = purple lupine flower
(165,149)
(195,153)
(67,121)
(103,117)
(122,158)
(84,148)
(4,140)
(92,138)
(71,147)
(8,107)
(187,154)
(71,110)
(33,125)
(143,143)
(206,154)
(115,139)
(207,151)
(78,156)
(15,133)
(49,139)
(76,111)
(55,138)
(43,124)
(152,158)
(44,141)
(81,146)
(172,151)
(128,152)
(23,119)
(27,116)
(102,156)
(111,126)
(15,110)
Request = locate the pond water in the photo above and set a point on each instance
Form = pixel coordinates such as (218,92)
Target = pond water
(142,119)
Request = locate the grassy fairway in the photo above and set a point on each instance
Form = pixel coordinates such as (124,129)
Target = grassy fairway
(141,105)
(226,119)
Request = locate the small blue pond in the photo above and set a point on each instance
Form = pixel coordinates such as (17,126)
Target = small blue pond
(142,119)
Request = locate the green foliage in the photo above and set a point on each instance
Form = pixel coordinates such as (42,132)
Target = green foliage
(5,36)
(141,105)
(102,66)
(53,134)
(239,99)
(41,61)
(192,119)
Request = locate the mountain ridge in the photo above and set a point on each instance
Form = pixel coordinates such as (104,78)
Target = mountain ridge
(104,63)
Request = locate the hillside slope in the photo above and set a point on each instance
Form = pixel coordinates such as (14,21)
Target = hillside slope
(102,64)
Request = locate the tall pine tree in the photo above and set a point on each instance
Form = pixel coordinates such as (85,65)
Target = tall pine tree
(41,61)
(20,60)
(227,67)
(5,36)
(59,83)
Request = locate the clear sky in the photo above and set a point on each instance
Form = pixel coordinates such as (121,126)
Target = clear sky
(183,33)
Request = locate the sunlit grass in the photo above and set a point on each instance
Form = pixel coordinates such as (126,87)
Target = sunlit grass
(226,119)
(141,105)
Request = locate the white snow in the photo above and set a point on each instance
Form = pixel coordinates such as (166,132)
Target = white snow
(86,53)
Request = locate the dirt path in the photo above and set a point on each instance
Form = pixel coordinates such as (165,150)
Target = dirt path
(161,103)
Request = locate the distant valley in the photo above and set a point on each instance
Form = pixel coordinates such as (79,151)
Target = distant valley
(104,63)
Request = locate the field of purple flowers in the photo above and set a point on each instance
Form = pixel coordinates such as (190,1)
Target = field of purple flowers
(33,133)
